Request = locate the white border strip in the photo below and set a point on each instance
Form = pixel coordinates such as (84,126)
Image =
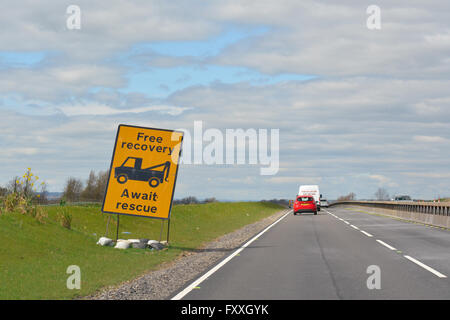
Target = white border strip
(386,245)
(366,233)
(194,284)
(437,273)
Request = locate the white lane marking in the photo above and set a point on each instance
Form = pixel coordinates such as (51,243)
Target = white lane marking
(196,283)
(366,233)
(437,273)
(346,222)
(386,245)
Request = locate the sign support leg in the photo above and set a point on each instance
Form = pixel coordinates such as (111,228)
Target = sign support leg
(107,225)
(117,230)
(168,229)
(160,233)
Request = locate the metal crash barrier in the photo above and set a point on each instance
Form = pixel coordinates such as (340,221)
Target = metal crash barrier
(433,213)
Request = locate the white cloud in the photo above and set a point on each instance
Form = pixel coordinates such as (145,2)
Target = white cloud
(322,37)
(428,175)
(431,139)
(95,109)
(17,152)
(297,180)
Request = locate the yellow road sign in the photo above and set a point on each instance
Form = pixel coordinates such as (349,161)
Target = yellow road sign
(143,172)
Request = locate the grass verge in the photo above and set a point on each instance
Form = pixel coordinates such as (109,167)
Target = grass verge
(34,257)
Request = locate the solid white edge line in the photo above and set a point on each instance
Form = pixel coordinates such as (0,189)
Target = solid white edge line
(366,233)
(354,227)
(437,273)
(194,284)
(386,245)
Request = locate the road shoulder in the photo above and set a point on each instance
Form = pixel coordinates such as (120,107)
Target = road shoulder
(161,284)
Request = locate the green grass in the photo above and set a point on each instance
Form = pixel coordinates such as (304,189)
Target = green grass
(34,257)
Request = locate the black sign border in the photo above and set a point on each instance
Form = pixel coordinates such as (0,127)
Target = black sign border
(110,170)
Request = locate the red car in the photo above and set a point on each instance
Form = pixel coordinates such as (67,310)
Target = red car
(305,203)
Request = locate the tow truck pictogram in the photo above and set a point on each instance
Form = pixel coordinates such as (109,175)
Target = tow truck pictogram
(132,169)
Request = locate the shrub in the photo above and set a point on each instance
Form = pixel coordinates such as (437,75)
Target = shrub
(65,217)
(11,201)
(39,214)
(21,196)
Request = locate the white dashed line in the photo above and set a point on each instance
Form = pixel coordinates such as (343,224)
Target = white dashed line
(366,233)
(386,245)
(437,273)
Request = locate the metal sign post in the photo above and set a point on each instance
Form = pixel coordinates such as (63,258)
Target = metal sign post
(107,225)
(117,230)
(160,233)
(168,230)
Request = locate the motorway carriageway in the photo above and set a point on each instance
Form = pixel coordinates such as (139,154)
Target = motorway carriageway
(327,256)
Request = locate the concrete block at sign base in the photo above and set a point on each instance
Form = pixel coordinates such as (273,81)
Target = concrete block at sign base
(134,240)
(123,244)
(144,240)
(157,246)
(149,242)
(104,241)
(139,245)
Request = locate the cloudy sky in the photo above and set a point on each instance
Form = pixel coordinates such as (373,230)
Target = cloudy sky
(356,109)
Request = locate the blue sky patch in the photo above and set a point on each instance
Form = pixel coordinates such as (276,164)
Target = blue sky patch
(201,48)
(11,59)
(161,82)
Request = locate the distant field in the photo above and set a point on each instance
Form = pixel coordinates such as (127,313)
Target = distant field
(34,257)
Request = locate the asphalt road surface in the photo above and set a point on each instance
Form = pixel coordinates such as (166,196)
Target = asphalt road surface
(333,255)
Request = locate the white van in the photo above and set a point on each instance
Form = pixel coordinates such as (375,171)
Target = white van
(311,190)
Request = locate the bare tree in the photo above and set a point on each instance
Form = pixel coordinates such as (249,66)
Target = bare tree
(350,196)
(95,186)
(3,191)
(100,188)
(209,200)
(43,194)
(381,194)
(89,191)
(73,189)
(187,200)
(14,185)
